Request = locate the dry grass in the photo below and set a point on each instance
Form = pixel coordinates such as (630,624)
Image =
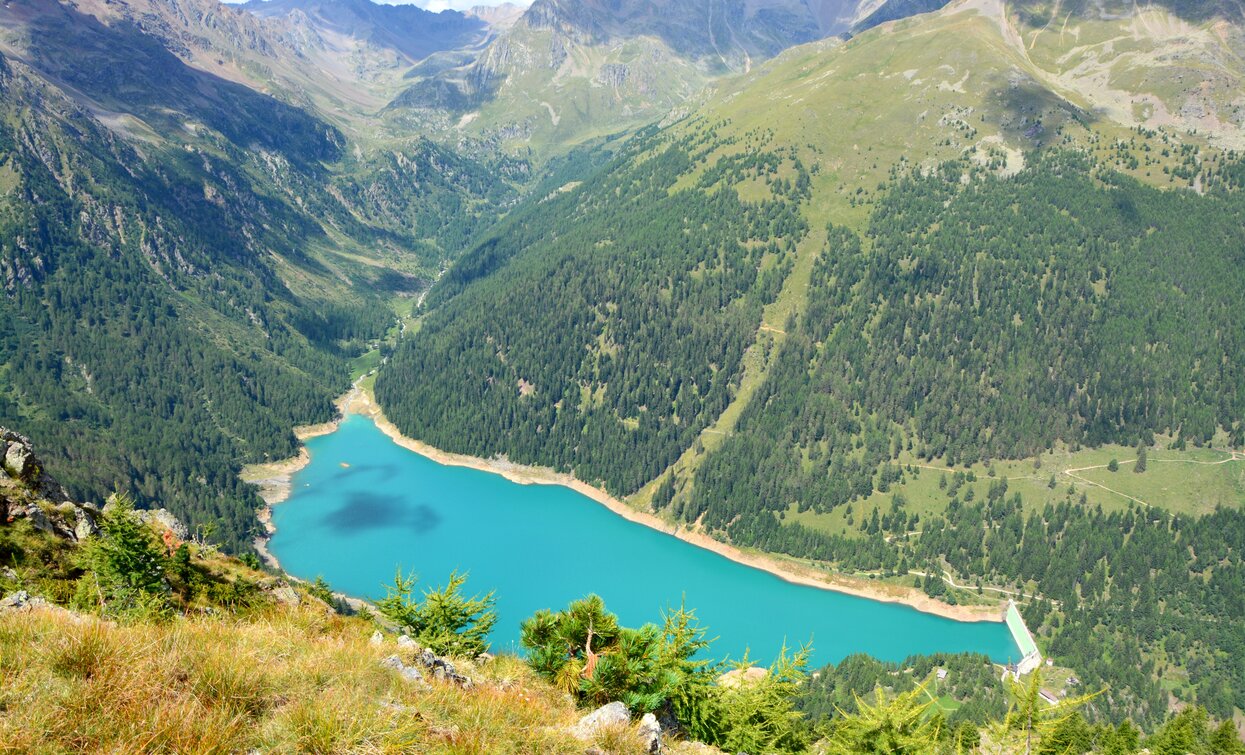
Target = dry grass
(281,681)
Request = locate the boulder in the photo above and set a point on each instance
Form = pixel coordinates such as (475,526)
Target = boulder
(15,600)
(441,664)
(650,733)
(406,643)
(284,593)
(408,673)
(377,640)
(19,461)
(21,601)
(613,714)
(484,658)
(392,661)
(40,519)
(85,525)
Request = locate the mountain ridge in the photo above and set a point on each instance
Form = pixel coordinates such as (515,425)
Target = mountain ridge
(408,30)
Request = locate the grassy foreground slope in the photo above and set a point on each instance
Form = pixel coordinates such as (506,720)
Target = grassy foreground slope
(243,670)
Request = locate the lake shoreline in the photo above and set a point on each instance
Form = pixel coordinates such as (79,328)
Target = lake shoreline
(274,481)
(274,477)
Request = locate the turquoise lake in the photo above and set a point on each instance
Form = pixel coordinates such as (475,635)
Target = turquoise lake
(542,546)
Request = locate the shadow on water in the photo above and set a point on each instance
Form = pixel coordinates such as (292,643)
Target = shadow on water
(368,511)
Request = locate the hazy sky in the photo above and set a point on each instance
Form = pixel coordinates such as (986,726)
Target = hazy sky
(440,5)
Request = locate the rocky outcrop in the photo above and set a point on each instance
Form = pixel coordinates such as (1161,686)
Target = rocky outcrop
(408,673)
(439,668)
(28,491)
(163,519)
(23,468)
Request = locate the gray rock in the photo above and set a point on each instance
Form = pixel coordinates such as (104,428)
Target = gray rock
(393,662)
(8,573)
(17,599)
(440,664)
(613,714)
(425,658)
(39,519)
(18,461)
(85,525)
(24,601)
(377,640)
(483,658)
(408,673)
(650,733)
(409,644)
(282,592)
(411,674)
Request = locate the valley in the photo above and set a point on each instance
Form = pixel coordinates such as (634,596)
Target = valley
(930,302)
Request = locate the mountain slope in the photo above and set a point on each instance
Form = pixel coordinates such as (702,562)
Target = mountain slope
(989,261)
(570,70)
(141,321)
(189,262)
(408,30)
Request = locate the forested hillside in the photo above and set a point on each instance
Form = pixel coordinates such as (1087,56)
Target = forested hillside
(146,330)
(189,264)
(993,318)
(602,327)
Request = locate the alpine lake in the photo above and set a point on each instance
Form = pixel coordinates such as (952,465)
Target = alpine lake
(365,507)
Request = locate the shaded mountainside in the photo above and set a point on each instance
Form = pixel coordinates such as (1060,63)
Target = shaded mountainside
(189,262)
(147,329)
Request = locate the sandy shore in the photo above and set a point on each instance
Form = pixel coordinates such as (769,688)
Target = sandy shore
(273,478)
(274,481)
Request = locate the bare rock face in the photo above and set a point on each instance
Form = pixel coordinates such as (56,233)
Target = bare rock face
(85,525)
(165,520)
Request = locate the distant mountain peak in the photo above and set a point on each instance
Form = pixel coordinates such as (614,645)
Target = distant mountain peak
(408,30)
(730,30)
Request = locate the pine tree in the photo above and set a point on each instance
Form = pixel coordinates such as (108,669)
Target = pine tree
(445,621)
(899,726)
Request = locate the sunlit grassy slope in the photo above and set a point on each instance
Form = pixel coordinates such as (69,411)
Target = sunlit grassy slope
(249,664)
(993,81)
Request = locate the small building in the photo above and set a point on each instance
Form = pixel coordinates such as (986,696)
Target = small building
(1050,697)
(942,674)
